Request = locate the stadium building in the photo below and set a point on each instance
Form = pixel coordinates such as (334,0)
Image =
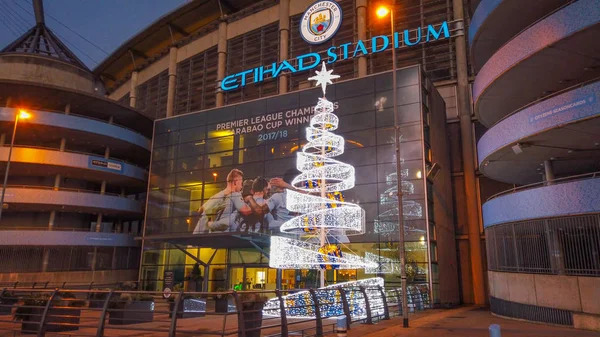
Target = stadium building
(76,182)
(219,75)
(499,155)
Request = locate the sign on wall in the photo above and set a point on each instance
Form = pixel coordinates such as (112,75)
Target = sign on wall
(333,54)
(105,164)
(321,21)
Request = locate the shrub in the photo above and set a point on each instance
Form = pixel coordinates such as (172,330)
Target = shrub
(65,299)
(128,298)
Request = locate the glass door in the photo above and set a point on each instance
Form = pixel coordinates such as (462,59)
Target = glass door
(252,278)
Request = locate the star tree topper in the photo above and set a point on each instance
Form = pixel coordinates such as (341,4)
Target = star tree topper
(323,78)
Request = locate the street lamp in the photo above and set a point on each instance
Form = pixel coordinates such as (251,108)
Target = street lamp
(22,114)
(383,11)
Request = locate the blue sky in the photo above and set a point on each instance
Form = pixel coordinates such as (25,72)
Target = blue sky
(106,23)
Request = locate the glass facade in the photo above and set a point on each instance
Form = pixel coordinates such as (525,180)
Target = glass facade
(191,197)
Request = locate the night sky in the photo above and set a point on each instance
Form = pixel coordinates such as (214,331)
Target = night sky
(106,23)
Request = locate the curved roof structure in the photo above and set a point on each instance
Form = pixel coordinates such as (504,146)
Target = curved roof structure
(40,40)
(185,23)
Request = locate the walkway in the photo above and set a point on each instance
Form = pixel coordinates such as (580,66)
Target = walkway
(462,322)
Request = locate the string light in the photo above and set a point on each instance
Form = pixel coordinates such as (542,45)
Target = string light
(384,265)
(287,253)
(327,213)
(387,221)
(301,304)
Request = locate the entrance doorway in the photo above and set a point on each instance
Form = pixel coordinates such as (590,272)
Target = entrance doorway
(252,278)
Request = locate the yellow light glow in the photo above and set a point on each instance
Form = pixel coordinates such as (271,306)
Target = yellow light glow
(382,11)
(221,133)
(419,174)
(24,114)
(214,174)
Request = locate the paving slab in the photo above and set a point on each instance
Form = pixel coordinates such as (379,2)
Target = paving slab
(462,322)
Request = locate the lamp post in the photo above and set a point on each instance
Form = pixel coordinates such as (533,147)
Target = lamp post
(21,115)
(383,11)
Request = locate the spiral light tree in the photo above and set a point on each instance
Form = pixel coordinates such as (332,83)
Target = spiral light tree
(386,223)
(315,238)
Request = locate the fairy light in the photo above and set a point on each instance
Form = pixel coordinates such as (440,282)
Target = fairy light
(301,304)
(289,253)
(328,212)
(387,222)
(384,265)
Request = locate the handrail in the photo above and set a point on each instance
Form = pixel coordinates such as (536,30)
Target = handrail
(57,229)
(539,100)
(591,175)
(75,152)
(64,189)
(85,117)
(533,24)
(89,308)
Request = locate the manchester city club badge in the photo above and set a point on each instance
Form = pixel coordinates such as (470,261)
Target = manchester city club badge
(321,21)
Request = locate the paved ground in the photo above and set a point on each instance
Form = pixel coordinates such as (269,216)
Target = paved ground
(462,322)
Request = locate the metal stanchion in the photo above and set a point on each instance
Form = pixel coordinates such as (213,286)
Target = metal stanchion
(341,326)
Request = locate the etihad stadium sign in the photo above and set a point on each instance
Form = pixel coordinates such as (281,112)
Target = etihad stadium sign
(333,54)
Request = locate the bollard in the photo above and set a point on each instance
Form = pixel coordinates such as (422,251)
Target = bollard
(495,330)
(341,326)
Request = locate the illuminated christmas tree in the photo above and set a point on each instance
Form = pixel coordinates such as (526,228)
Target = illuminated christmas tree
(326,220)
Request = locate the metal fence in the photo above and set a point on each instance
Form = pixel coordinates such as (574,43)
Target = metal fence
(64,285)
(30,259)
(566,245)
(63,312)
(531,312)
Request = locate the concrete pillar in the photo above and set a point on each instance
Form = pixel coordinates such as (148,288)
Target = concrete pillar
(67,109)
(111,119)
(468,156)
(133,89)
(172,80)
(94,258)
(103,188)
(284,40)
(222,60)
(58,177)
(2,139)
(113,265)
(549,170)
(361,28)
(51,220)
(8,101)
(45,259)
(99,223)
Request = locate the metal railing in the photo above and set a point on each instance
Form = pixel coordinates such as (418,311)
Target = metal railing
(61,285)
(126,312)
(22,146)
(60,229)
(85,117)
(591,175)
(564,246)
(77,190)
